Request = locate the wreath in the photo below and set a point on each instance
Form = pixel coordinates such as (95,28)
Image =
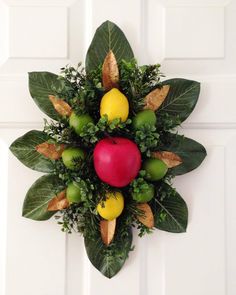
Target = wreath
(111,150)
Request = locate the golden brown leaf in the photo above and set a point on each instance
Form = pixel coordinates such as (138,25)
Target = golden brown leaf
(107,229)
(169,158)
(50,150)
(156,97)
(147,217)
(110,72)
(60,106)
(59,202)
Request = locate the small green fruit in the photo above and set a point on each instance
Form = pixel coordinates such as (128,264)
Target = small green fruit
(71,155)
(145,195)
(155,168)
(146,117)
(73,192)
(78,122)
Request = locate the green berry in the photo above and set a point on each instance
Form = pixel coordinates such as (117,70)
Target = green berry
(145,194)
(73,192)
(155,168)
(71,155)
(78,122)
(146,117)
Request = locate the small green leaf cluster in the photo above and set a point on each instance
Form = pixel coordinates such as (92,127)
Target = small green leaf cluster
(94,132)
(143,230)
(58,132)
(81,90)
(148,139)
(137,81)
(139,185)
(166,122)
(78,218)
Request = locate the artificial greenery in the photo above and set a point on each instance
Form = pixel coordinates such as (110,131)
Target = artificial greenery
(82,89)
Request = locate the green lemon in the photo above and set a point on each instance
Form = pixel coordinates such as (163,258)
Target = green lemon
(73,192)
(155,168)
(146,117)
(145,195)
(77,122)
(71,155)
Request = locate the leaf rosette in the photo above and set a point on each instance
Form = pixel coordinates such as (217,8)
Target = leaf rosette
(72,189)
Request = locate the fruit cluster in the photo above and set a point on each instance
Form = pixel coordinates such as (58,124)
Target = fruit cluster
(117,160)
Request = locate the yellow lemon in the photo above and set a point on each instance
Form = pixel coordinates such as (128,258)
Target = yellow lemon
(115,105)
(112,207)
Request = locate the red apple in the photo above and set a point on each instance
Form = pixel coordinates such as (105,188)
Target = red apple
(117,160)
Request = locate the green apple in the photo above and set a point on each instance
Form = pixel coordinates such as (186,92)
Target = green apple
(155,168)
(71,155)
(73,192)
(145,194)
(146,117)
(77,122)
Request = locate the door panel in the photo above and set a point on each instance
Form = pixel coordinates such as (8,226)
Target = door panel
(194,39)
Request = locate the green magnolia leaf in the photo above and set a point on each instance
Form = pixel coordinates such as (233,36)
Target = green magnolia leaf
(190,151)
(106,261)
(107,37)
(181,99)
(170,210)
(38,196)
(41,85)
(24,149)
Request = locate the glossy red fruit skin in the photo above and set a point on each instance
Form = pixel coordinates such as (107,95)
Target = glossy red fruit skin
(117,160)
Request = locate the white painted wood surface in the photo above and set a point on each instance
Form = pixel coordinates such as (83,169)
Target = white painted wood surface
(192,39)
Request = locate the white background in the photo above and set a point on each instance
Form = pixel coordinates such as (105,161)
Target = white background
(195,39)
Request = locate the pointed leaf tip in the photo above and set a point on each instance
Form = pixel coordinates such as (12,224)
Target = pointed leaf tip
(170,210)
(50,150)
(39,195)
(107,229)
(101,256)
(147,217)
(24,148)
(108,36)
(169,158)
(62,108)
(41,85)
(190,151)
(110,72)
(156,97)
(59,202)
(181,99)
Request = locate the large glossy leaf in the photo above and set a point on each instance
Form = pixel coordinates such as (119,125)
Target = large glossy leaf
(24,149)
(41,85)
(181,99)
(107,37)
(170,210)
(190,151)
(39,195)
(100,255)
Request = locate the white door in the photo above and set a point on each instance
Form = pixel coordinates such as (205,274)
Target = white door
(194,39)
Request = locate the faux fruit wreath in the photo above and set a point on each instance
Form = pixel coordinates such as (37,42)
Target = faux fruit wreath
(111,150)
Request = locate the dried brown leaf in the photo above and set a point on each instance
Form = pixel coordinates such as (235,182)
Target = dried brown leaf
(169,158)
(50,150)
(60,106)
(107,229)
(156,97)
(147,217)
(110,72)
(59,202)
